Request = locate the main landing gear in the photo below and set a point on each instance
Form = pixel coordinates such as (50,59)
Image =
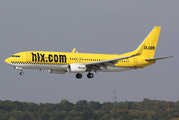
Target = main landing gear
(89,75)
(78,76)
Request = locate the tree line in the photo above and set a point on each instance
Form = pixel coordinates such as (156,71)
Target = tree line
(84,110)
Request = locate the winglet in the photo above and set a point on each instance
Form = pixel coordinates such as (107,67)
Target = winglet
(73,51)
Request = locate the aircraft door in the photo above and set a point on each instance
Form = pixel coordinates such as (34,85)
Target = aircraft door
(135,62)
(28,57)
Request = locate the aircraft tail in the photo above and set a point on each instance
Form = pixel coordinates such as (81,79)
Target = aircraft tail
(148,46)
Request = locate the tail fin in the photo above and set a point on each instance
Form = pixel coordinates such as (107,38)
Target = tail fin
(148,46)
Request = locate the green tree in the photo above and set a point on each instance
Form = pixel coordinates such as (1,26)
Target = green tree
(25,116)
(81,105)
(86,115)
(33,107)
(94,105)
(65,105)
(45,116)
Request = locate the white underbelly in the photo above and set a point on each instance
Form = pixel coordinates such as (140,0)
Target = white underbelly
(64,67)
(39,66)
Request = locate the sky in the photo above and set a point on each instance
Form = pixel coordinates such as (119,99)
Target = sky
(102,26)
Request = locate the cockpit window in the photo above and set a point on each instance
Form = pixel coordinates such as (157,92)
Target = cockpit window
(16,56)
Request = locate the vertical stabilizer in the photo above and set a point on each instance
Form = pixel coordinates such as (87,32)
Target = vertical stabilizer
(150,43)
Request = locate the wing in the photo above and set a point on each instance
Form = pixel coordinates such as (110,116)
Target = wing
(105,63)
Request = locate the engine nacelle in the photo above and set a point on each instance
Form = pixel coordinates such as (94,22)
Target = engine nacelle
(76,68)
(57,71)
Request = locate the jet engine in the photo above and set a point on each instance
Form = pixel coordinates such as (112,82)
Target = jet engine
(76,68)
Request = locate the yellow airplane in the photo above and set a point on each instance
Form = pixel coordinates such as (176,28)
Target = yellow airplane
(74,62)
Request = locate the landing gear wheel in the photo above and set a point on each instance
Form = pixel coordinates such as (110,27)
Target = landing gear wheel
(78,76)
(21,73)
(90,75)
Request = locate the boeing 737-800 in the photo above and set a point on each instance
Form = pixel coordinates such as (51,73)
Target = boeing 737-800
(74,62)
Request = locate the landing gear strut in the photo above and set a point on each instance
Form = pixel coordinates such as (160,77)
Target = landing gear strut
(78,76)
(90,75)
(18,68)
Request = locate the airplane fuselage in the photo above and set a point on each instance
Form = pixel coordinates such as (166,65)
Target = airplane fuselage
(60,60)
(74,62)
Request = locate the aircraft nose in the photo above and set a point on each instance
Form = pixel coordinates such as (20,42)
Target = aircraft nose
(7,60)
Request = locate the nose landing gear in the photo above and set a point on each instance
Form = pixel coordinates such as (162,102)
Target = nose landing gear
(21,73)
(18,68)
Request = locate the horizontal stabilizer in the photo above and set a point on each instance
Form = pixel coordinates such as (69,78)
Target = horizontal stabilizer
(159,58)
